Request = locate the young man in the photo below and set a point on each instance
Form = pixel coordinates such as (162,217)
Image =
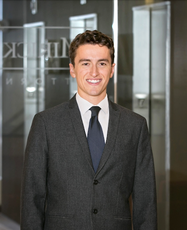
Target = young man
(86,157)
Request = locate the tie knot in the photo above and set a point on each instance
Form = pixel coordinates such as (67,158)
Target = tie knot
(95,110)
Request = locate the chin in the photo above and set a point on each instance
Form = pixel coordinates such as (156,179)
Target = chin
(94,94)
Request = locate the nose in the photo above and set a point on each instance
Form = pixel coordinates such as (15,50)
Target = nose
(94,71)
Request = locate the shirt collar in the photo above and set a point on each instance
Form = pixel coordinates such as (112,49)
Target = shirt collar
(84,105)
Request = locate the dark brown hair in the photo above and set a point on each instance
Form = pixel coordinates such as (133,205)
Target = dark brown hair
(91,37)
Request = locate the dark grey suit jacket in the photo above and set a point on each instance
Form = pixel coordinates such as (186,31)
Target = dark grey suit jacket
(60,189)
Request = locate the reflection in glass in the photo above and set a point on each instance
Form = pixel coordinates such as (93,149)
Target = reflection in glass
(34,99)
(150,91)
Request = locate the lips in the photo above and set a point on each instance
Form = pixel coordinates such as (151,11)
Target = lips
(93,81)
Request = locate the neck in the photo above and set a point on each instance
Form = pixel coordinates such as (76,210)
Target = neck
(95,100)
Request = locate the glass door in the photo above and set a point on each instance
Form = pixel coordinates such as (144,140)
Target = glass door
(151,91)
(34,81)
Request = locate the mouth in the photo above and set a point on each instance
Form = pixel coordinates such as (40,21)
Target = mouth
(93,81)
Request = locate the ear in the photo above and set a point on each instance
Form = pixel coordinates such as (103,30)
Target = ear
(112,71)
(72,70)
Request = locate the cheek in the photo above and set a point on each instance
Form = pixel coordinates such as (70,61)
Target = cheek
(81,75)
(107,74)
(83,72)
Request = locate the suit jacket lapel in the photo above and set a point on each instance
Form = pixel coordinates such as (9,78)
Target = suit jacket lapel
(111,136)
(79,129)
(80,133)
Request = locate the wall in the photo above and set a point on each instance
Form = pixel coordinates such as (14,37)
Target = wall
(178,186)
(13,126)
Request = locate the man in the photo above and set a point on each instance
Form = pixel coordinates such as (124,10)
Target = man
(86,157)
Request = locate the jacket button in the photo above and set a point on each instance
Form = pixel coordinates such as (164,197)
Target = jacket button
(96,182)
(95,211)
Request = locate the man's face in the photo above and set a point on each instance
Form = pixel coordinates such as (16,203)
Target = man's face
(92,70)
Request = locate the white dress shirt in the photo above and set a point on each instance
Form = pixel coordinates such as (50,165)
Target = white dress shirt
(103,115)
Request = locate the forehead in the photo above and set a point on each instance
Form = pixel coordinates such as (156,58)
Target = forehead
(92,51)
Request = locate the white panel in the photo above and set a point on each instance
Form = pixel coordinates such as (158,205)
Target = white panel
(141,52)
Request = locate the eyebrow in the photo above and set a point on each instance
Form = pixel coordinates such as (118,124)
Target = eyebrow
(106,60)
(83,60)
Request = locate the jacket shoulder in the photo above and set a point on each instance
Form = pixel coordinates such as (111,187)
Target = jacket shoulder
(128,114)
(54,112)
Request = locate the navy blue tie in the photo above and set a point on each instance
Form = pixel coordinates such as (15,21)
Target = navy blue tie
(95,137)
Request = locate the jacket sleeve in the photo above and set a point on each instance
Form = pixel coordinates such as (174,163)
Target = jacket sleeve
(33,195)
(144,189)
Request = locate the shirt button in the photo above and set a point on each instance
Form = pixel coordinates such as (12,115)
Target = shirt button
(96,182)
(95,211)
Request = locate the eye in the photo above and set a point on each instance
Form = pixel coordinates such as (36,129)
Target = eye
(85,63)
(102,63)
